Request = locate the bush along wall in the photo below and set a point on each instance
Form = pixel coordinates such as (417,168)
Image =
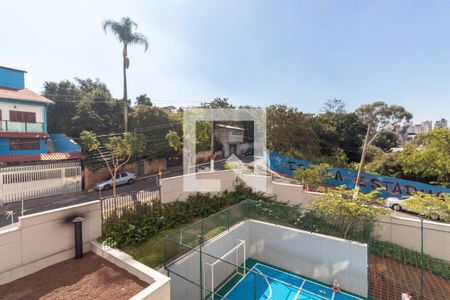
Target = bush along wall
(131,226)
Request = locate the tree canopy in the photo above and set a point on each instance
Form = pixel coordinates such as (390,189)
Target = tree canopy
(341,205)
(428,155)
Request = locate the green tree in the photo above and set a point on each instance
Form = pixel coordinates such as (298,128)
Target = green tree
(342,204)
(291,132)
(125,31)
(313,176)
(218,103)
(334,106)
(429,205)
(428,156)
(387,164)
(174,140)
(143,100)
(85,104)
(115,153)
(153,124)
(377,116)
(386,140)
(66,95)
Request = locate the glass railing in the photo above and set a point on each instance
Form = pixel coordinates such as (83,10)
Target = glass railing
(21,126)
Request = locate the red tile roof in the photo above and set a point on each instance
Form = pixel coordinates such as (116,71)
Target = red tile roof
(39,157)
(24,95)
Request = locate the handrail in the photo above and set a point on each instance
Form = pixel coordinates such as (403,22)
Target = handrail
(13,126)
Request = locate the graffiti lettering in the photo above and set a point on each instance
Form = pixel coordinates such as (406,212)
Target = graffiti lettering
(391,186)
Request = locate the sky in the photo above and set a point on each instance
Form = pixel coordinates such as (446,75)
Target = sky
(254,52)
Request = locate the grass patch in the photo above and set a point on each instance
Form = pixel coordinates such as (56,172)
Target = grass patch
(151,252)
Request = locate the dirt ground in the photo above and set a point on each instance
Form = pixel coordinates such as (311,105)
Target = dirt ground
(89,278)
(389,279)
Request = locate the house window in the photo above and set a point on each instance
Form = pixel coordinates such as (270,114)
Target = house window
(22,116)
(24,144)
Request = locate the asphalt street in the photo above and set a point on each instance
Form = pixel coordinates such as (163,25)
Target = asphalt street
(47,203)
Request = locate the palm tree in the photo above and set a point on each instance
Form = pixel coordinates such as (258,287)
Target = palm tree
(126,34)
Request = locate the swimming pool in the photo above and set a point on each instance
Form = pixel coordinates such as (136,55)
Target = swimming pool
(276,284)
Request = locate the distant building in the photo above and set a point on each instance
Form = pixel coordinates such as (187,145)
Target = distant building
(26,148)
(442,123)
(411,130)
(169,109)
(232,139)
(427,126)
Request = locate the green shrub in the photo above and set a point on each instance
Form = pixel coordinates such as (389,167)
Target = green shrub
(131,226)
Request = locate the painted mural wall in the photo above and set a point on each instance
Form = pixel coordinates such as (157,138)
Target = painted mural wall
(392,186)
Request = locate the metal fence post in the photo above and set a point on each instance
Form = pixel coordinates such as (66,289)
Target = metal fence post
(200,241)
(228,219)
(202,231)
(421,258)
(164,253)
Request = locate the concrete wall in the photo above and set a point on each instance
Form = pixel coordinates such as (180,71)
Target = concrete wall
(43,239)
(189,266)
(150,167)
(172,188)
(317,256)
(406,232)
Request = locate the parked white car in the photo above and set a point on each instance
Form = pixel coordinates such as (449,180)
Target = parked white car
(121,178)
(397,204)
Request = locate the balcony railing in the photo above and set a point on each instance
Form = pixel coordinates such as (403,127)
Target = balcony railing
(21,126)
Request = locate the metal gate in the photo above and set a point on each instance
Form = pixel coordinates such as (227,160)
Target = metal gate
(34,181)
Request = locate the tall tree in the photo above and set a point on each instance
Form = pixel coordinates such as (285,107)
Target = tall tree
(125,32)
(377,116)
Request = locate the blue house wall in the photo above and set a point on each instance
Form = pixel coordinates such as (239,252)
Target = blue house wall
(13,79)
(64,144)
(4,148)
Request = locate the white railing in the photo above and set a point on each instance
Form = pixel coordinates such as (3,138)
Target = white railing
(34,181)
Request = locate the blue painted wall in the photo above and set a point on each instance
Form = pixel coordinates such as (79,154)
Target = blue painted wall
(393,186)
(4,148)
(64,144)
(13,79)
